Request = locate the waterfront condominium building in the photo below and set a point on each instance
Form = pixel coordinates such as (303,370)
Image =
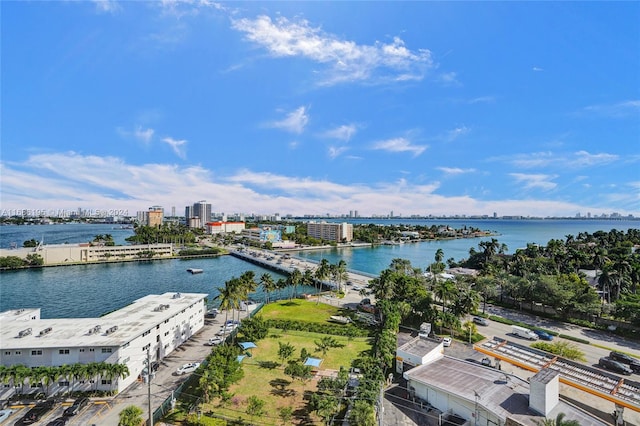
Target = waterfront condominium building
(200,210)
(154,325)
(155,216)
(339,232)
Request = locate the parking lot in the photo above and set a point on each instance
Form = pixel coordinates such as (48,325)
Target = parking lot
(105,412)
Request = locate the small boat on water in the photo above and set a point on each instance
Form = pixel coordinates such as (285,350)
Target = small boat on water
(195,271)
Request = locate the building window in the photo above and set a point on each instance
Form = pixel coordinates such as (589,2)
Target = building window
(166,333)
(82,350)
(7,352)
(18,352)
(63,351)
(146,333)
(36,352)
(106,350)
(106,382)
(91,349)
(35,385)
(64,383)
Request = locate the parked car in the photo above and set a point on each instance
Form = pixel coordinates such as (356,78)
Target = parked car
(187,368)
(480,320)
(5,414)
(446,341)
(214,341)
(615,366)
(634,363)
(60,421)
(212,313)
(35,414)
(543,335)
(77,405)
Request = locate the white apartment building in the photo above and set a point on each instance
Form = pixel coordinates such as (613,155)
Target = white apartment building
(339,232)
(225,227)
(154,323)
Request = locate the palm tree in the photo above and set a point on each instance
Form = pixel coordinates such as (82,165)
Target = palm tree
(339,273)
(65,371)
(130,416)
(439,255)
(77,372)
(268,284)
(558,421)
(322,273)
(445,289)
(116,371)
(228,297)
(294,279)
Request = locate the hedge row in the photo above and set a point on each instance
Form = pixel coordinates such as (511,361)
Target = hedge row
(333,329)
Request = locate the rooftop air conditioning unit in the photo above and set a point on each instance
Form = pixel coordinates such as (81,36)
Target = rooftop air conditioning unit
(24,332)
(46,331)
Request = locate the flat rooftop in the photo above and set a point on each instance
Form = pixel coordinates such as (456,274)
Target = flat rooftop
(504,395)
(113,329)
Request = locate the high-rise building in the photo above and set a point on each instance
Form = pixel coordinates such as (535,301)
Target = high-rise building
(155,216)
(200,210)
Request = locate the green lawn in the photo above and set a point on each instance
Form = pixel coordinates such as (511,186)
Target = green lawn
(264,373)
(299,310)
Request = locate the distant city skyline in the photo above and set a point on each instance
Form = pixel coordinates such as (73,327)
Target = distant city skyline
(421,108)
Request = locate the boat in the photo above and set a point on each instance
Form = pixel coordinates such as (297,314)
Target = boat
(339,319)
(195,271)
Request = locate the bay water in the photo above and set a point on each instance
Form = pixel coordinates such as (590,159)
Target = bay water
(91,290)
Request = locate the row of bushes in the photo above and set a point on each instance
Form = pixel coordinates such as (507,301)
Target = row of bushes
(333,329)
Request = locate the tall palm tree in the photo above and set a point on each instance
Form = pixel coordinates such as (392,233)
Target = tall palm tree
(228,298)
(294,279)
(339,273)
(78,371)
(268,285)
(323,271)
(445,289)
(64,371)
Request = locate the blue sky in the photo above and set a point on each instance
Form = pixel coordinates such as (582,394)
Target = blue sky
(518,108)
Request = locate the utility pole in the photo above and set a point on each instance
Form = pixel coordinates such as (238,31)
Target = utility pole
(149,386)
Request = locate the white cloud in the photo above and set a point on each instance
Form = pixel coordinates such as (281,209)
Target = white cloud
(294,122)
(144,135)
(546,159)
(345,60)
(399,145)
(69,180)
(449,78)
(108,6)
(537,69)
(336,151)
(630,108)
(177,145)
(482,99)
(535,181)
(455,170)
(584,159)
(343,133)
(456,133)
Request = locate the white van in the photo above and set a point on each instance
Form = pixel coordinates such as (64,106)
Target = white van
(524,333)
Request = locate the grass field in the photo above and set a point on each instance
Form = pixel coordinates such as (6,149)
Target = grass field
(264,373)
(299,310)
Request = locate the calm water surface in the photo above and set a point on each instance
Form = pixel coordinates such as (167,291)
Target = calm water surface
(91,290)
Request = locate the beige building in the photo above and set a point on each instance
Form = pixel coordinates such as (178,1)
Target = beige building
(155,216)
(338,232)
(84,252)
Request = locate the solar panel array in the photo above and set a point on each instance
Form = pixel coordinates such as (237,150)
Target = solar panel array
(614,388)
